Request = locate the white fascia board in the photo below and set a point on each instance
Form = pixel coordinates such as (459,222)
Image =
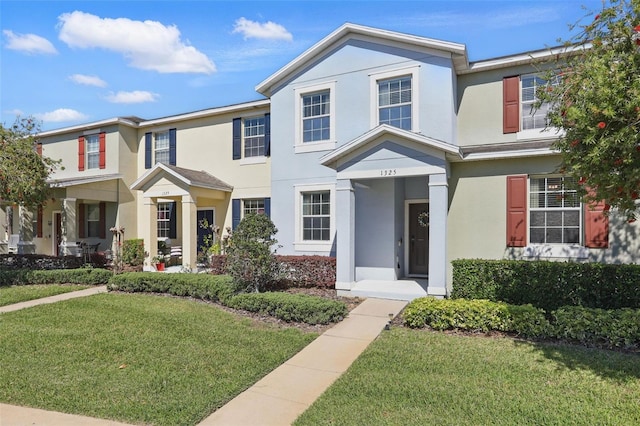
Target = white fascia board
(86,126)
(501,155)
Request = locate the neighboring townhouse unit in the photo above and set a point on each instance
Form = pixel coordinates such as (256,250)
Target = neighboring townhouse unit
(391,152)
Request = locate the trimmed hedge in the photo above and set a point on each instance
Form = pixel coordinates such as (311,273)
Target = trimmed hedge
(296,271)
(291,307)
(221,289)
(613,328)
(41,262)
(548,285)
(87,276)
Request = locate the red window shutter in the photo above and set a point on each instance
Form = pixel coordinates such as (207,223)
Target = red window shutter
(39,148)
(517,211)
(596,226)
(81,153)
(39,223)
(511,104)
(81,222)
(103,148)
(103,221)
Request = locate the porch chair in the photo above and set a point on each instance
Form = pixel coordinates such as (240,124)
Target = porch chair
(13,243)
(175,253)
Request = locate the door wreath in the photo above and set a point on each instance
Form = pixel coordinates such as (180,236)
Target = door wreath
(423,219)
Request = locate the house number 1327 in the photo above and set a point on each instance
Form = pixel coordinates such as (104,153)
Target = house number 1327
(388,172)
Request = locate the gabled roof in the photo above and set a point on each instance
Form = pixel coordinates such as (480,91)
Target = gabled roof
(353,31)
(385,130)
(190,177)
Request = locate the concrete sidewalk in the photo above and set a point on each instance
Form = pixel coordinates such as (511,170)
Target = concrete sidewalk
(279,398)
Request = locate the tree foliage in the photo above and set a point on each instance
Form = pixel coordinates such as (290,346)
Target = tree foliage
(23,172)
(250,260)
(596,104)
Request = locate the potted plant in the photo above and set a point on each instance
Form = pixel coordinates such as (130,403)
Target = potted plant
(158,262)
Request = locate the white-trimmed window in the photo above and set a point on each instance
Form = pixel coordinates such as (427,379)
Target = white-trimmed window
(554,211)
(315,118)
(394,102)
(161,147)
(254,137)
(93,220)
(315,217)
(532,117)
(164,220)
(255,206)
(92,151)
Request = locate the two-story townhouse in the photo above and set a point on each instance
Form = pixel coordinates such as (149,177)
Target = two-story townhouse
(90,194)
(396,155)
(205,167)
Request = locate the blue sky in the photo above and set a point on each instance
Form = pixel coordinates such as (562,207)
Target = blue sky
(68,62)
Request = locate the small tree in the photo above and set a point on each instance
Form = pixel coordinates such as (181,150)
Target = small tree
(596,103)
(250,260)
(23,172)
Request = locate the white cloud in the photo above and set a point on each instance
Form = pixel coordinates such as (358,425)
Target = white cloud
(60,115)
(268,30)
(135,97)
(88,80)
(148,45)
(29,43)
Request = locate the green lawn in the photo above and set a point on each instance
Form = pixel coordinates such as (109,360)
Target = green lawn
(22,293)
(136,358)
(412,377)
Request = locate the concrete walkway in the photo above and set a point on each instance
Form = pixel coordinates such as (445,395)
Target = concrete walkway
(53,299)
(280,397)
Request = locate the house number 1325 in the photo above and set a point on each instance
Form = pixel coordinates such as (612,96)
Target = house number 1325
(388,172)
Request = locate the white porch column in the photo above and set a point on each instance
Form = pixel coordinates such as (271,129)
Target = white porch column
(346,232)
(150,227)
(25,243)
(189,232)
(438,208)
(69,228)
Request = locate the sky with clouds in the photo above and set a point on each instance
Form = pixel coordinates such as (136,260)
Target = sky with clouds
(67,62)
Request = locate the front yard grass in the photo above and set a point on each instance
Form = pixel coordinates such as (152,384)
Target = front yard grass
(22,293)
(136,358)
(417,377)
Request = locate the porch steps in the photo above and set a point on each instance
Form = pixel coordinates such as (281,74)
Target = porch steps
(407,289)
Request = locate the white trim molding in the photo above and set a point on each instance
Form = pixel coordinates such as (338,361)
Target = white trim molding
(314,246)
(324,145)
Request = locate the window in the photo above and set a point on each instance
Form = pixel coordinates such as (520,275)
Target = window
(316,216)
(164,219)
(254,137)
(554,211)
(255,206)
(93,151)
(316,124)
(394,102)
(532,117)
(161,149)
(93,220)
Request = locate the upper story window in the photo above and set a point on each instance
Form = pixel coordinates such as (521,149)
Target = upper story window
(394,102)
(253,206)
(316,124)
(93,151)
(315,117)
(554,211)
(254,137)
(161,148)
(520,113)
(532,117)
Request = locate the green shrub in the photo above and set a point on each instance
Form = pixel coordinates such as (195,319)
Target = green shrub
(548,285)
(614,328)
(87,276)
(292,307)
(528,321)
(133,252)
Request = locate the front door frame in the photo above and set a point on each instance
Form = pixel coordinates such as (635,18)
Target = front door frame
(200,209)
(56,231)
(407,237)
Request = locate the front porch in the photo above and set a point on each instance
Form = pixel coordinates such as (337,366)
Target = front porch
(405,289)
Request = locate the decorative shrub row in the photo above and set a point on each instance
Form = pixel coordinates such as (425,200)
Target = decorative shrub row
(548,285)
(295,271)
(614,328)
(221,289)
(41,262)
(87,276)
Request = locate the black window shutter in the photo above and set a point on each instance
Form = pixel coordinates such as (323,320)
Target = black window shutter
(172,147)
(267,207)
(173,216)
(147,150)
(267,135)
(235,213)
(237,138)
